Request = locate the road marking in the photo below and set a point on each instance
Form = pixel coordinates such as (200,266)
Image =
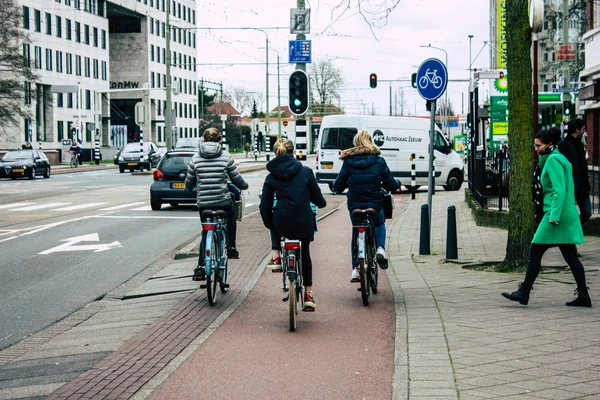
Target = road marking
(143,217)
(41,228)
(41,206)
(144,208)
(71,244)
(78,207)
(120,206)
(13,205)
(250,204)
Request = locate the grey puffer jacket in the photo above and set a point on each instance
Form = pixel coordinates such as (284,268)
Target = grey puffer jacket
(209,171)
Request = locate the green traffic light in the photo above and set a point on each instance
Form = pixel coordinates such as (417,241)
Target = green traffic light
(297,103)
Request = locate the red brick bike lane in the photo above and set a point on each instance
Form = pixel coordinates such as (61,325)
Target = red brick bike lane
(342,350)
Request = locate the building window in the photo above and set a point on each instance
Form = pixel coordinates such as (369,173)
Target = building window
(48,24)
(96,69)
(151,52)
(86,32)
(103,39)
(163,5)
(152,79)
(27,89)
(59,100)
(545,87)
(160,134)
(104,70)
(78,65)
(48,60)
(60,128)
(545,56)
(69,100)
(95,37)
(67,2)
(38,57)
(157,28)
(77,4)
(69,63)
(158,106)
(26,55)
(68,29)
(88,100)
(59,61)
(88,65)
(158,80)
(58,26)
(162,24)
(164,58)
(25,17)
(77,32)
(151,23)
(164,80)
(38,20)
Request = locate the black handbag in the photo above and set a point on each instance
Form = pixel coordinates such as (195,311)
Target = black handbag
(388,205)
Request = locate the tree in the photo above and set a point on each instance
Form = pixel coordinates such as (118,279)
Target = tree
(374,12)
(400,105)
(325,83)
(205,101)
(254,113)
(239,98)
(520,125)
(16,76)
(444,106)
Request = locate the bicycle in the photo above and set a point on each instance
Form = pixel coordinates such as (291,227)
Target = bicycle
(216,261)
(365,248)
(74,159)
(291,263)
(430,77)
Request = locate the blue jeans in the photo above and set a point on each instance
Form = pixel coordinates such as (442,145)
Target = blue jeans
(585,208)
(379,222)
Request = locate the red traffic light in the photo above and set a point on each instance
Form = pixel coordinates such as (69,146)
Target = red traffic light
(373,80)
(501,74)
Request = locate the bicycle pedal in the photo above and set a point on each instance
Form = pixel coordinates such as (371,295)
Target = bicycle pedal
(285,298)
(276,271)
(226,285)
(308,310)
(359,289)
(203,286)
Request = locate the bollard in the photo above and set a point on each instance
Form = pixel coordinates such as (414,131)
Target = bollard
(451,246)
(142,150)
(413,176)
(433,172)
(268,156)
(424,242)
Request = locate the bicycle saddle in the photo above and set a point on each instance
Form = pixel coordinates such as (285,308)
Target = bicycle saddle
(214,214)
(366,211)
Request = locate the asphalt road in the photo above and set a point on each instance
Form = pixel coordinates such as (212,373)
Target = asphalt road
(68,240)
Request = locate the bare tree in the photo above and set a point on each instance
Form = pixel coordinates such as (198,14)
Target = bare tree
(325,83)
(374,12)
(239,98)
(400,105)
(16,76)
(444,106)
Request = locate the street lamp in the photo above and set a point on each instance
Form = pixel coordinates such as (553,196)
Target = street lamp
(278,96)
(445,113)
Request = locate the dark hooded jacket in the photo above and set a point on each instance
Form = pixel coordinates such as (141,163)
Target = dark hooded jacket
(364,173)
(573,149)
(295,187)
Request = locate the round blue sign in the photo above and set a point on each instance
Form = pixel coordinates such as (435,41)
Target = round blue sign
(432,79)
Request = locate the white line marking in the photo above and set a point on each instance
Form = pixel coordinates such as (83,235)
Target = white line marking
(250,204)
(144,208)
(40,228)
(142,217)
(41,206)
(78,207)
(14,205)
(120,206)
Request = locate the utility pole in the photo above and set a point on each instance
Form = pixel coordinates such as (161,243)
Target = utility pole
(278,100)
(201,98)
(168,111)
(566,72)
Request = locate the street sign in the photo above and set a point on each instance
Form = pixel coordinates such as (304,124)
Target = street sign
(564,89)
(494,74)
(432,79)
(90,126)
(140,113)
(300,51)
(299,21)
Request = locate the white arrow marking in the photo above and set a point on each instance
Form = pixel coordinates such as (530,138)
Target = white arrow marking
(71,244)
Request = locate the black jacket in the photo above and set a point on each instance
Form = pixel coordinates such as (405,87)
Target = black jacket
(572,148)
(295,187)
(364,173)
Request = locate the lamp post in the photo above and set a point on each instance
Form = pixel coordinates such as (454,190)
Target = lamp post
(278,96)
(445,111)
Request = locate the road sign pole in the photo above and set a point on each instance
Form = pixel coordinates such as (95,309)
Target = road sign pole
(431,170)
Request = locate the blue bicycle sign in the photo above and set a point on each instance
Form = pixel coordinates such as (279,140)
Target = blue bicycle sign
(432,79)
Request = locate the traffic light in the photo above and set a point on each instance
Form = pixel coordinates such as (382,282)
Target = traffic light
(373,81)
(413,80)
(299,93)
(567,107)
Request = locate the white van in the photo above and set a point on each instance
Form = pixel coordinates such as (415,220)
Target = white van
(397,138)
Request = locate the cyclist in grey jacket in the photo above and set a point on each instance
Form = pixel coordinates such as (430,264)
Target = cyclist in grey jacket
(209,171)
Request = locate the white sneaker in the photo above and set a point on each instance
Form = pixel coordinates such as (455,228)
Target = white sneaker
(355,276)
(381,258)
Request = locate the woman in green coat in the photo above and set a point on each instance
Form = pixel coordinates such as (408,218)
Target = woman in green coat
(560,224)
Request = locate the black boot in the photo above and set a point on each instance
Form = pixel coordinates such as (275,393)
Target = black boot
(582,300)
(521,295)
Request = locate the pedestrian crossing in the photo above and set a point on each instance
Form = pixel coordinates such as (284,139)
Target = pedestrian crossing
(29,206)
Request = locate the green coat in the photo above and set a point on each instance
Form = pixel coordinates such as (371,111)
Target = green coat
(559,202)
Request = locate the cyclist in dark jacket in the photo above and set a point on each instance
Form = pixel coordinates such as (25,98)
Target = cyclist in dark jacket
(364,173)
(295,187)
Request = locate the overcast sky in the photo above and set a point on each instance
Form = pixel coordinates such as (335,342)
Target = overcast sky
(394,53)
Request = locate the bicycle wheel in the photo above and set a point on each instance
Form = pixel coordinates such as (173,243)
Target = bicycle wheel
(364,285)
(373,270)
(293,303)
(224,267)
(212,279)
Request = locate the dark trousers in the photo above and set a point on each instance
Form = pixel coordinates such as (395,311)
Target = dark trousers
(569,253)
(585,208)
(306,260)
(231,228)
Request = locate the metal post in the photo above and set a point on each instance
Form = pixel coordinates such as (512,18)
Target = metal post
(431,170)
(268,121)
(79,134)
(566,71)
(390,99)
(424,238)
(535,83)
(201,98)
(142,149)
(168,105)
(224,120)
(278,100)
(97,151)
(413,176)
(451,241)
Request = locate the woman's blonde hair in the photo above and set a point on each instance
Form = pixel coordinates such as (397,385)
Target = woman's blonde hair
(364,139)
(212,135)
(283,146)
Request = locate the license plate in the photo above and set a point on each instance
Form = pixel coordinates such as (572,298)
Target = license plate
(327,165)
(179,185)
(132,164)
(19,170)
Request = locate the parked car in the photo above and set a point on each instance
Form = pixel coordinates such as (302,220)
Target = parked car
(187,144)
(130,157)
(24,163)
(169,180)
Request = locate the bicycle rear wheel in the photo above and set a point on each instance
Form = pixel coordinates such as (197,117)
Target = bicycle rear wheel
(224,267)
(293,303)
(364,284)
(212,279)
(373,269)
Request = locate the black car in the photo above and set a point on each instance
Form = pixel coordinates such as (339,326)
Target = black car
(24,163)
(187,144)
(130,157)
(169,180)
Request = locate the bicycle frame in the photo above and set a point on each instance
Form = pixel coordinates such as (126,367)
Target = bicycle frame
(364,232)
(215,230)
(291,259)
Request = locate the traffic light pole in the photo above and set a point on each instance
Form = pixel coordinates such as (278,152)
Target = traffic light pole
(168,111)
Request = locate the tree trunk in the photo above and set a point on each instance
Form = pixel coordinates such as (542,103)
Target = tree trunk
(521,215)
